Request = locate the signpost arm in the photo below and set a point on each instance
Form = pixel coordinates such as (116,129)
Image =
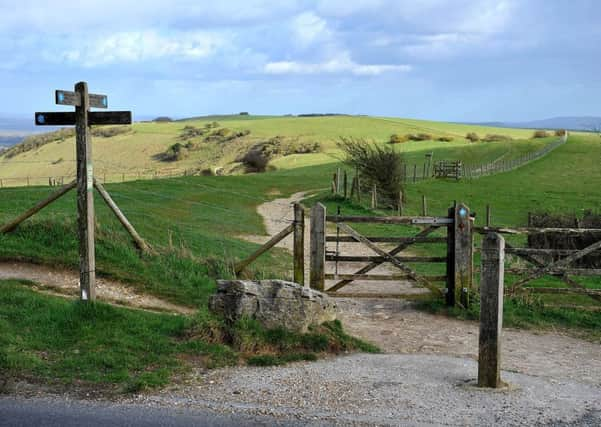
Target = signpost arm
(85,197)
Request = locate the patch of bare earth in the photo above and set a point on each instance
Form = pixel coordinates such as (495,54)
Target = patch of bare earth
(64,282)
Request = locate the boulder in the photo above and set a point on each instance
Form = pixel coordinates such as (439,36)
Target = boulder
(274,303)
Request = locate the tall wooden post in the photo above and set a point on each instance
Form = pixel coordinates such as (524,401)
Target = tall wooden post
(491,311)
(318,247)
(488,215)
(374,197)
(85,197)
(345,182)
(463,254)
(424,205)
(338,178)
(299,244)
(450,273)
(400,204)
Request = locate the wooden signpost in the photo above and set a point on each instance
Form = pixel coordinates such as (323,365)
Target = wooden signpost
(82,118)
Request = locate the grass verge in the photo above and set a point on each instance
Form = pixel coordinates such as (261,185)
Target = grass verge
(64,343)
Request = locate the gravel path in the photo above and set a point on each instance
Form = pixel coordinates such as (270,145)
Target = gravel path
(65,282)
(389,389)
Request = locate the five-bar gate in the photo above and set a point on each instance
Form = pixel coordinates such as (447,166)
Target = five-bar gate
(458,259)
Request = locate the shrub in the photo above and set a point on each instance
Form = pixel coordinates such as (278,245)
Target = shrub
(397,139)
(419,137)
(560,132)
(107,132)
(380,165)
(444,138)
(255,161)
(189,132)
(540,134)
(163,119)
(491,137)
(472,137)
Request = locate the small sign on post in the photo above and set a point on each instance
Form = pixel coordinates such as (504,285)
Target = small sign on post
(82,119)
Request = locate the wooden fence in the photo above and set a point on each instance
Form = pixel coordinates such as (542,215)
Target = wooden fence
(538,267)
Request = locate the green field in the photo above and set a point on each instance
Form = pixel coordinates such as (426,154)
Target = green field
(196,222)
(134,154)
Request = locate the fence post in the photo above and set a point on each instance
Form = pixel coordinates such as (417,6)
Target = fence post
(358,188)
(463,254)
(299,244)
(414,172)
(400,204)
(338,189)
(345,182)
(318,247)
(491,311)
(450,270)
(374,197)
(488,215)
(424,205)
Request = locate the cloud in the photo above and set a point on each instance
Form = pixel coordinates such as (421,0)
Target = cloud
(309,28)
(141,46)
(339,65)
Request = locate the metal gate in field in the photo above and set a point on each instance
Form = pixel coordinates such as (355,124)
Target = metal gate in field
(379,250)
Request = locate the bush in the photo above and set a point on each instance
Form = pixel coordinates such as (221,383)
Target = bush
(397,139)
(419,137)
(255,161)
(380,165)
(540,134)
(163,119)
(491,137)
(560,132)
(444,138)
(472,137)
(107,132)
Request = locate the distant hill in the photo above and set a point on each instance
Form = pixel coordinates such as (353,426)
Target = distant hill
(7,141)
(578,123)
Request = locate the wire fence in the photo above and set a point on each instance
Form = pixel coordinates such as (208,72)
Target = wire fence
(500,165)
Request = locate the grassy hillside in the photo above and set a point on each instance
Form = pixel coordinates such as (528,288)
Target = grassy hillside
(137,153)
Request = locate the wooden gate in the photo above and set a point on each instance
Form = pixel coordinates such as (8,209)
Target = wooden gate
(458,259)
(536,267)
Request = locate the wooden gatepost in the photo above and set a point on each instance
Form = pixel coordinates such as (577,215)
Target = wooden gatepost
(460,256)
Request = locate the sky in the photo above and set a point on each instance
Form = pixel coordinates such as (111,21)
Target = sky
(453,60)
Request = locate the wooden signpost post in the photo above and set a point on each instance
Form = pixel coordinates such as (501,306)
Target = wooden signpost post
(82,119)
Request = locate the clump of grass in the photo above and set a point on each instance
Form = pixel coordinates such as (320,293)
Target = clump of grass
(540,134)
(397,139)
(472,137)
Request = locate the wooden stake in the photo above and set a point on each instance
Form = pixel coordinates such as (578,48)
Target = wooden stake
(463,254)
(400,204)
(450,268)
(424,205)
(7,228)
(345,184)
(374,197)
(414,172)
(338,178)
(491,311)
(85,198)
(299,244)
(488,215)
(140,243)
(318,247)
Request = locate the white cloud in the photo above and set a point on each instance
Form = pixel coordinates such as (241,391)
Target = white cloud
(142,46)
(338,65)
(309,28)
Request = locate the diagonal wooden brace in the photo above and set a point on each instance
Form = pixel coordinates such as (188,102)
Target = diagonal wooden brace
(393,252)
(412,274)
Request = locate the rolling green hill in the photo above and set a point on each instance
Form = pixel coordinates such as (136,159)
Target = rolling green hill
(137,153)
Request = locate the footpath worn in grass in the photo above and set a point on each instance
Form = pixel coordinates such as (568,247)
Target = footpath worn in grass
(69,343)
